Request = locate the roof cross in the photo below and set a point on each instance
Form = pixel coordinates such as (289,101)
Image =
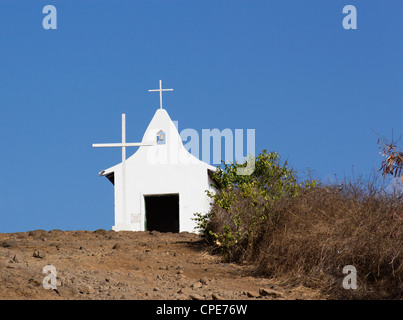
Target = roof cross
(160,91)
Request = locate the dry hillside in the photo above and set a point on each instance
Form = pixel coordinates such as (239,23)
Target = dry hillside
(127,265)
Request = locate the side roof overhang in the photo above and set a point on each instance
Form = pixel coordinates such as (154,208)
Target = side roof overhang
(109,173)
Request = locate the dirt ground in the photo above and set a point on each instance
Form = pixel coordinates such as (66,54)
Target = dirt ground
(97,265)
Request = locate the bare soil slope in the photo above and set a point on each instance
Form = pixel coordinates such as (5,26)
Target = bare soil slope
(127,265)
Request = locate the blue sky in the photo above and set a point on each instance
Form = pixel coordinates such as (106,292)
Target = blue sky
(313,91)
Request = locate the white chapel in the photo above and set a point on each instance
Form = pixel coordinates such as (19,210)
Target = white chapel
(161,185)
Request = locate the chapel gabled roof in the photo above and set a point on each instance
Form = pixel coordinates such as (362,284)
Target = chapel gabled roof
(160,121)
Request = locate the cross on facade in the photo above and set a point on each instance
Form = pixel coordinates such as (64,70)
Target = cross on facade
(123,145)
(160,91)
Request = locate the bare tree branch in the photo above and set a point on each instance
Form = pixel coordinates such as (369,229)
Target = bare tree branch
(393,158)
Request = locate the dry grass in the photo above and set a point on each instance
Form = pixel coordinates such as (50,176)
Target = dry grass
(309,239)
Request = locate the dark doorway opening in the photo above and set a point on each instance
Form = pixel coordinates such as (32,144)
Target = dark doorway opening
(162,212)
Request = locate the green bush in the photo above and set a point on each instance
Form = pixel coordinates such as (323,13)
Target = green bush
(242,202)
